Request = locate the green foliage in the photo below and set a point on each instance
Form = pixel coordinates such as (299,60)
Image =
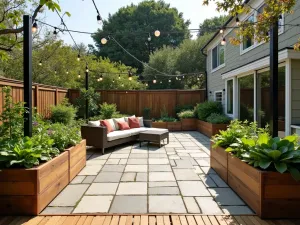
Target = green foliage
(63,113)
(205,109)
(147,113)
(186,114)
(164,112)
(211,25)
(146,16)
(93,100)
(167,119)
(216,118)
(12,116)
(180,108)
(108,110)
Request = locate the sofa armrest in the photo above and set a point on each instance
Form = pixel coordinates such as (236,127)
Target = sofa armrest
(148,123)
(95,136)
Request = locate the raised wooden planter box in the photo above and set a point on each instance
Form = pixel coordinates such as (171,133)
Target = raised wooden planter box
(174,126)
(210,129)
(29,191)
(269,194)
(77,159)
(189,124)
(159,125)
(219,161)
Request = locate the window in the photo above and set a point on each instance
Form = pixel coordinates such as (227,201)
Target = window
(230,97)
(248,41)
(219,96)
(218,56)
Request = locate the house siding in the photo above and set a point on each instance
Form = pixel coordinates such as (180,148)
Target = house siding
(295,92)
(234,59)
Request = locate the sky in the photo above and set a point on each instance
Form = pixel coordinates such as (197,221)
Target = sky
(83,15)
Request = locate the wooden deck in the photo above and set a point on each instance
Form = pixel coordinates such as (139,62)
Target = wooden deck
(143,220)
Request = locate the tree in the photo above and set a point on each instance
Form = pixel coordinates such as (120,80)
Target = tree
(259,30)
(212,25)
(187,58)
(131,27)
(56,64)
(11,27)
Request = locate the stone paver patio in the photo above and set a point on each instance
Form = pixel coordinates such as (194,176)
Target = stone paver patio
(175,178)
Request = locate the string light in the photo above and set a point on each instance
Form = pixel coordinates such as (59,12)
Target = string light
(119,76)
(280,17)
(149,38)
(222,31)
(99,19)
(183,76)
(101,77)
(161,82)
(146,84)
(78,57)
(55,31)
(129,76)
(103,41)
(176,78)
(67,72)
(113,80)
(169,81)
(40,63)
(223,42)
(34,27)
(198,78)
(79,75)
(55,71)
(86,68)
(157,33)
(237,20)
(154,81)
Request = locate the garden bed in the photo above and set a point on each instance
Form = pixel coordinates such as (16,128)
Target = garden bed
(189,124)
(174,126)
(219,161)
(159,125)
(210,129)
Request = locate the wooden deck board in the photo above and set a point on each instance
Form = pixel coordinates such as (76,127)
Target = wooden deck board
(142,220)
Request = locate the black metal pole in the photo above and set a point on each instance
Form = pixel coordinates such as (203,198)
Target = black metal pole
(149,47)
(27,66)
(274,79)
(86,88)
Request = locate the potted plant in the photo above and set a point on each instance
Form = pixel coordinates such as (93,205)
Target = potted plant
(188,120)
(147,117)
(211,118)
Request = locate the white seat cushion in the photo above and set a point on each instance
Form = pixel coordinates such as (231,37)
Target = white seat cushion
(94,123)
(118,134)
(152,128)
(136,131)
(141,121)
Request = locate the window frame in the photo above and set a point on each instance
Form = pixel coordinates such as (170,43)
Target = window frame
(219,66)
(226,97)
(216,92)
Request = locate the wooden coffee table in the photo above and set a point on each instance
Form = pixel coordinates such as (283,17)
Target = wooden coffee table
(154,136)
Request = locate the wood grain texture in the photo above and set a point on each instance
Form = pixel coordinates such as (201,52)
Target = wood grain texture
(219,161)
(210,129)
(189,124)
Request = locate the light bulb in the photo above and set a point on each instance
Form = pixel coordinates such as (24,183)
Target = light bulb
(55,31)
(183,77)
(40,63)
(157,33)
(221,31)
(149,38)
(129,78)
(146,84)
(176,78)
(154,81)
(161,82)
(78,57)
(169,81)
(86,69)
(79,75)
(103,41)
(113,80)
(223,42)
(55,71)
(198,78)
(119,76)
(34,27)
(99,19)
(237,21)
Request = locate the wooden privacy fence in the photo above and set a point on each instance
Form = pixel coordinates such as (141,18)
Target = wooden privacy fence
(43,96)
(133,102)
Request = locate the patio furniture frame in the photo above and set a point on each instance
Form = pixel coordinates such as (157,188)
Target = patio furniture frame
(153,136)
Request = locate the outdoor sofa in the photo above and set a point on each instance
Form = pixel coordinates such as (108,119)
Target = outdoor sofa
(96,135)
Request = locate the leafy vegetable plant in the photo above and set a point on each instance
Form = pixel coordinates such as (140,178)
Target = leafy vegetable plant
(186,114)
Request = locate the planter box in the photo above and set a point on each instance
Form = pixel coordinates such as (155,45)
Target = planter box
(174,126)
(269,194)
(210,129)
(159,125)
(219,161)
(29,191)
(77,159)
(189,124)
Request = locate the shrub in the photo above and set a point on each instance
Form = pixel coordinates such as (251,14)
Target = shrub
(93,100)
(147,113)
(203,110)
(108,110)
(167,119)
(216,118)
(180,108)
(186,114)
(163,112)
(63,113)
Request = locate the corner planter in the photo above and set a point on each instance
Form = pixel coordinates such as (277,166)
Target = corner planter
(219,161)
(77,159)
(269,194)
(147,123)
(29,191)
(210,129)
(189,124)
(174,126)
(159,125)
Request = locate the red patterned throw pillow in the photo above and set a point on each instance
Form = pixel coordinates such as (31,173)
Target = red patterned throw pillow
(134,122)
(106,124)
(123,126)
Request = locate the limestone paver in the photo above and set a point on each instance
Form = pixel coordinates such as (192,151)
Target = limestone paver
(112,162)
(163,191)
(161,176)
(185,174)
(136,168)
(123,162)
(57,210)
(203,162)
(218,180)
(137,161)
(89,179)
(95,162)
(138,156)
(142,177)
(132,188)
(183,164)
(193,188)
(166,204)
(207,170)
(208,206)
(94,204)
(208,182)
(155,161)
(90,170)
(226,196)
(129,204)
(237,210)
(70,195)
(163,184)
(113,168)
(108,177)
(78,179)
(157,155)
(99,156)
(160,168)
(119,156)
(191,205)
(102,189)
(128,177)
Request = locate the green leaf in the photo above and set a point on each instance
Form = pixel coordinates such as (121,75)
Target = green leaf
(263,139)
(295,173)
(68,14)
(264,164)
(229,149)
(275,154)
(249,142)
(281,167)
(291,138)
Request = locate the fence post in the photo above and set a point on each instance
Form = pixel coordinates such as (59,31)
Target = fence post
(56,97)
(36,97)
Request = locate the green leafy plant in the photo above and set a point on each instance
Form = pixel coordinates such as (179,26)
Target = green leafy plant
(186,114)
(164,112)
(216,118)
(108,110)
(205,109)
(181,108)
(147,113)
(167,119)
(63,113)
(93,99)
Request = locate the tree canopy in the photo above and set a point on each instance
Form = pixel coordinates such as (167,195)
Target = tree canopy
(131,27)
(187,58)
(212,25)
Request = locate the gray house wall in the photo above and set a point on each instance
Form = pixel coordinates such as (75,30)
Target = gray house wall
(295,92)
(233,58)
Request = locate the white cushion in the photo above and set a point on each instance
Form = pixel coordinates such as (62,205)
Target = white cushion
(120,120)
(94,123)
(136,131)
(118,134)
(141,121)
(152,128)
(112,123)
(126,118)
